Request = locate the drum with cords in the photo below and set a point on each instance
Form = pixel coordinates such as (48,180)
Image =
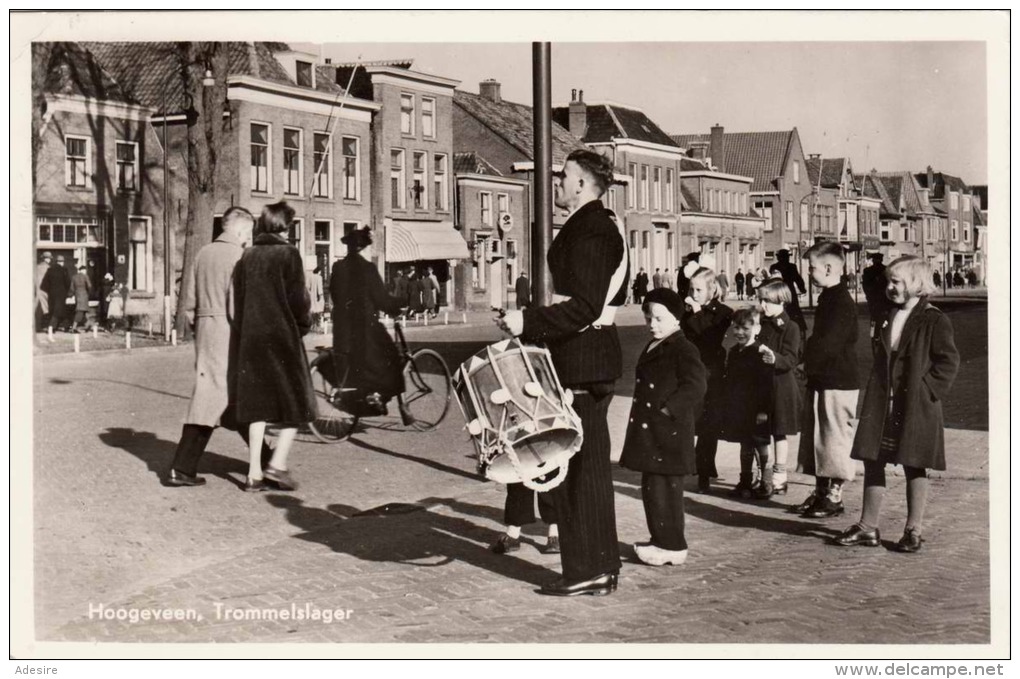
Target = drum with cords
(519,416)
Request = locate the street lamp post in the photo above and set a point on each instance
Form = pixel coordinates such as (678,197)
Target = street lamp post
(811,233)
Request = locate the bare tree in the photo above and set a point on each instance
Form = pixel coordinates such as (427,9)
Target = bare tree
(204,103)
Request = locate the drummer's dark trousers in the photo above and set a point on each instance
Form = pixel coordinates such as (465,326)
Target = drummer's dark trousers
(520,506)
(585,504)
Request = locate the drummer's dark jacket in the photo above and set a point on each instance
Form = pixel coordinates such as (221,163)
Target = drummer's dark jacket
(582,260)
(669,388)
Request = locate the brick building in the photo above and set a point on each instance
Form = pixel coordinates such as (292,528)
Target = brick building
(780,190)
(952,196)
(411,167)
(492,214)
(290,133)
(840,210)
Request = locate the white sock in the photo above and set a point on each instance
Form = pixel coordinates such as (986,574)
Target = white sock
(554,530)
(513,531)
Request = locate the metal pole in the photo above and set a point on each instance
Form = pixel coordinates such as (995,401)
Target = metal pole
(167,254)
(541,60)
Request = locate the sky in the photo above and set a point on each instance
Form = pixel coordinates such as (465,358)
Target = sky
(885,105)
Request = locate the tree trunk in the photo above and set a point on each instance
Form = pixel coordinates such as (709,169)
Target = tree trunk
(204,140)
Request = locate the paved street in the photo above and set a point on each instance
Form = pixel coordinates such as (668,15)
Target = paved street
(393,527)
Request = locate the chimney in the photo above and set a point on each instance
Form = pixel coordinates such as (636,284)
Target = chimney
(815,156)
(578,122)
(931,178)
(718,148)
(489,89)
(699,150)
(328,61)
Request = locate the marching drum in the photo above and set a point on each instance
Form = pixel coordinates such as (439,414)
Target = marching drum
(519,416)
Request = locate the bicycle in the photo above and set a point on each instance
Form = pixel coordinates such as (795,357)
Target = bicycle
(339,407)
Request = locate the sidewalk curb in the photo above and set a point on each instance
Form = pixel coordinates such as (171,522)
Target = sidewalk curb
(100,353)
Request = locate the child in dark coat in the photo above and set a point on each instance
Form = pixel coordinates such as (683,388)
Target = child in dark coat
(747,398)
(668,391)
(781,349)
(901,421)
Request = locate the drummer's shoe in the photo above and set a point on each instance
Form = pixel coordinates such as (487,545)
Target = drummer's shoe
(600,585)
(505,544)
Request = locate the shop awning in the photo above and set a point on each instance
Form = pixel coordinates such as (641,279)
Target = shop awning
(410,241)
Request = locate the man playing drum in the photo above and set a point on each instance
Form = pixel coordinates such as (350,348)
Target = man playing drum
(588,264)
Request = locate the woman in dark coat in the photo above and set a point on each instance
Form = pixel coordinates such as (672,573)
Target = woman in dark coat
(782,337)
(669,387)
(271,381)
(705,324)
(901,420)
(361,345)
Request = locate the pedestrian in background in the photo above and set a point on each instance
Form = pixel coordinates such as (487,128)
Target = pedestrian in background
(271,379)
(81,290)
(430,292)
(208,307)
(105,291)
(781,349)
(657,279)
(791,276)
(640,286)
(669,386)
(830,360)
(523,289)
(901,421)
(42,307)
(724,285)
(57,285)
(705,324)
(738,280)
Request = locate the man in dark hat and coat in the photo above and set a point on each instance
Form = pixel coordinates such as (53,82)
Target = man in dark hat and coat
(791,276)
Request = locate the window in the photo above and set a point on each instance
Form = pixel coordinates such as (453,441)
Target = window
(954,201)
(127,166)
(478,265)
(764,209)
(260,135)
(397,179)
(77,160)
(292,178)
(139,253)
(323,162)
(743,204)
(439,176)
(711,200)
(407,114)
(485,201)
(885,231)
(803,216)
(966,204)
(295,233)
(512,264)
(657,188)
(644,187)
(632,186)
(906,233)
(669,190)
(81,230)
(420,188)
(428,118)
(789,215)
(966,232)
(350,148)
(502,204)
(323,232)
(610,197)
(952,229)
(305,77)
(796,172)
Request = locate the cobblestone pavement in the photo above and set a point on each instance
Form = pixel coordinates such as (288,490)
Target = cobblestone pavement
(393,527)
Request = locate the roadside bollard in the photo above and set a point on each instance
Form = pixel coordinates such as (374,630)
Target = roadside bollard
(49,334)
(77,344)
(463,317)
(173,337)
(127,340)
(446,318)
(426,317)
(95,332)
(150,328)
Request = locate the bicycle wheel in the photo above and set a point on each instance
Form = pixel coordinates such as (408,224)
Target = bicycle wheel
(427,389)
(332,422)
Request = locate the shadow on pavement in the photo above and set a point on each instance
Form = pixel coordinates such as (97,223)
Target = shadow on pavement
(432,464)
(157,454)
(418,538)
(62,382)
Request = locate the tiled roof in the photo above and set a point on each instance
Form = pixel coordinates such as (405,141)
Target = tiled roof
(72,69)
(513,123)
(472,163)
(761,155)
(901,184)
(832,170)
(605,122)
(942,180)
(872,187)
(146,69)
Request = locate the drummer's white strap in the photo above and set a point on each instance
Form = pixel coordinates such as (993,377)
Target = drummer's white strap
(608,315)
